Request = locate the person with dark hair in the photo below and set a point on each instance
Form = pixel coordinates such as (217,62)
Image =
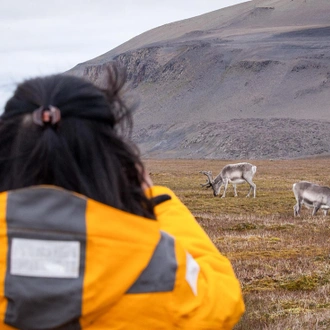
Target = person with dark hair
(86,240)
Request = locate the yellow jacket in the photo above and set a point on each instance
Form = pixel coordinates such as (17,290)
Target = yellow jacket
(69,262)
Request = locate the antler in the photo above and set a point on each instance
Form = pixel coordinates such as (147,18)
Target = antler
(208,184)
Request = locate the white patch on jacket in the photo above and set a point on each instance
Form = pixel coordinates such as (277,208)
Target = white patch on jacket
(192,271)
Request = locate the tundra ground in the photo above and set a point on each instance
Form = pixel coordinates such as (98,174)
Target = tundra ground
(282,262)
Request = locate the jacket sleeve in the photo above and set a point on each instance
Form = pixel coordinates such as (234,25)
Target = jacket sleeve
(218,299)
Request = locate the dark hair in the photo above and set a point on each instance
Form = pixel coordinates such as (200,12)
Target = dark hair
(85,152)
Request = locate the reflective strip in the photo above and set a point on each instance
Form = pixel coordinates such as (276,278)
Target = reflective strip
(192,271)
(159,276)
(44,215)
(44,258)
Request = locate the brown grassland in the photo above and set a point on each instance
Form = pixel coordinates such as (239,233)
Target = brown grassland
(282,262)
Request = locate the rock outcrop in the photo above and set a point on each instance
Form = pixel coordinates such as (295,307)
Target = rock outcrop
(247,81)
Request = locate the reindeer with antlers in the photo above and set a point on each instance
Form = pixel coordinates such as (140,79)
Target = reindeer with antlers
(234,174)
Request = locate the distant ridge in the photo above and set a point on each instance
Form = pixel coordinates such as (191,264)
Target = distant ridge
(247,81)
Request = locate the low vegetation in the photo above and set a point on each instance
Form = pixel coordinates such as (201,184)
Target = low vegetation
(282,262)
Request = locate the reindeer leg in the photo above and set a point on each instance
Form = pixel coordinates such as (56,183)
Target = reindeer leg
(226,185)
(252,186)
(316,208)
(296,209)
(235,192)
(220,190)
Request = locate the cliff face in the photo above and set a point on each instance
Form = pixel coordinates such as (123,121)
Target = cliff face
(248,81)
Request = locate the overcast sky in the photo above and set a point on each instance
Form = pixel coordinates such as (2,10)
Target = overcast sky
(40,37)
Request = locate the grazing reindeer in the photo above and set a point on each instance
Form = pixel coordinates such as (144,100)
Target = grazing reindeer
(312,196)
(232,173)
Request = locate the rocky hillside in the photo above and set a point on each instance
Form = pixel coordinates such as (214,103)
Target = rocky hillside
(247,81)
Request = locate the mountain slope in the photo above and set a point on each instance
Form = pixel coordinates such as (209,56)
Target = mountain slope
(232,72)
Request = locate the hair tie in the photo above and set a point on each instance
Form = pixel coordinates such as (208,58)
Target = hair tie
(50,115)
